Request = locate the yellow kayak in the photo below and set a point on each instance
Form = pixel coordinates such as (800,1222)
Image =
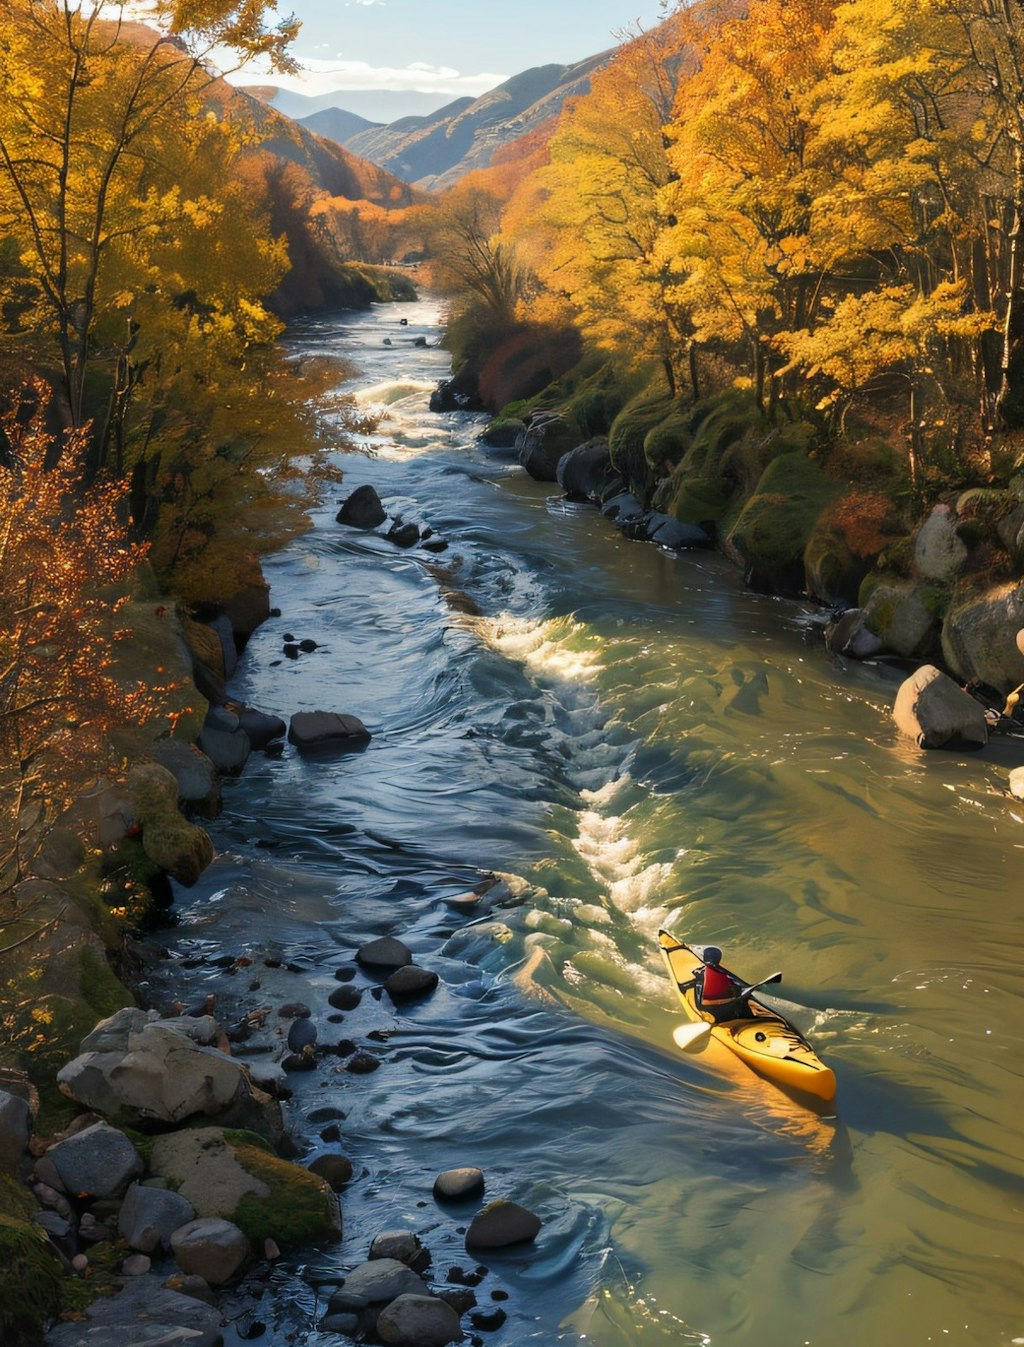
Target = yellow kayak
(760,1037)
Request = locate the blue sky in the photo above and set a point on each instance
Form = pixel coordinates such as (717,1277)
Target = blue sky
(448,47)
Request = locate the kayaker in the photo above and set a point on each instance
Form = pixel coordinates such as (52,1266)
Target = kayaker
(719,991)
(715,984)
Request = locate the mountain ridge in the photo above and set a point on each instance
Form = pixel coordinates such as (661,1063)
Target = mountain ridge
(432,151)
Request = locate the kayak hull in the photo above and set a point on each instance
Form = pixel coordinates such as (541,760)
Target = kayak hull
(766,1042)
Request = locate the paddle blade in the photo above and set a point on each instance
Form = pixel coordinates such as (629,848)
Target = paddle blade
(691,1037)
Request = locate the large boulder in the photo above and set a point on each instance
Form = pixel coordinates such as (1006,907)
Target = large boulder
(227,1175)
(149,1217)
(980,635)
(224,741)
(198,782)
(770,536)
(163,1075)
(97,1162)
(939,552)
(500,1224)
(210,1248)
(418,1321)
(363,509)
(542,443)
(905,615)
(935,712)
(169,840)
(380,1281)
(586,472)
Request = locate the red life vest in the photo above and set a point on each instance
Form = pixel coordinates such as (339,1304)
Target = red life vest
(718,985)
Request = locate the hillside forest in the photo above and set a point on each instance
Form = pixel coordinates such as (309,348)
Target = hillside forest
(795,222)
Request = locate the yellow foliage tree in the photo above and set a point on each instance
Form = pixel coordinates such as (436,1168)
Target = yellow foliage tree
(742,241)
(589,222)
(96,112)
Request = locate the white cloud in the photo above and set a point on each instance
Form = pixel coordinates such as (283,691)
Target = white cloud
(318,76)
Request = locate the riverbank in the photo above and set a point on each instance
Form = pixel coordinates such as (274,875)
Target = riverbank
(925,569)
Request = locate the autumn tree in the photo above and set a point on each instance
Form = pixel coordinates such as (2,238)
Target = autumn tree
(93,106)
(471,259)
(741,238)
(62,546)
(590,221)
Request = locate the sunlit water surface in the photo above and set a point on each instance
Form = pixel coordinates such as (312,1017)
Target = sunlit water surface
(632,742)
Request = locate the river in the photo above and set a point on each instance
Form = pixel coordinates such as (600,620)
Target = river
(631,741)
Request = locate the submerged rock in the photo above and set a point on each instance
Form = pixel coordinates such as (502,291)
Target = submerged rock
(500,1224)
(316,731)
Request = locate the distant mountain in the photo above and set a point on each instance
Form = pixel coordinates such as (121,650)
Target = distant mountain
(376,105)
(434,151)
(337,124)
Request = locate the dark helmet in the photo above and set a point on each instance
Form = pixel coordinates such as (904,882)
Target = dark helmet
(712,954)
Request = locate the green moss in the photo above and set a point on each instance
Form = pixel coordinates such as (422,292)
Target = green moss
(628,434)
(716,423)
(772,531)
(668,441)
(31,1281)
(103,993)
(935,598)
(300,1206)
(694,500)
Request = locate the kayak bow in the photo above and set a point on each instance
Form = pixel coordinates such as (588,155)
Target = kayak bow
(764,1039)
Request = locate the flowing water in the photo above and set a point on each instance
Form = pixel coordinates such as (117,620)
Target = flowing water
(631,741)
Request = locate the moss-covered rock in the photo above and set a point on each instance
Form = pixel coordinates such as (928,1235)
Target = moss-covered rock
(846,541)
(771,534)
(979,635)
(628,434)
(906,615)
(233,1175)
(31,1280)
(694,500)
(178,847)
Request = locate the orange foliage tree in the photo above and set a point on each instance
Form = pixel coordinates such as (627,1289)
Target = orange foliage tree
(65,559)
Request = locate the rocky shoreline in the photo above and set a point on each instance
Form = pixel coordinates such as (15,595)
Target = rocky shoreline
(945,602)
(149,1166)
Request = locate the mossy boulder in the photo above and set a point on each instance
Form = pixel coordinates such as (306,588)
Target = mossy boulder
(694,500)
(771,534)
(906,615)
(628,435)
(979,635)
(233,1175)
(846,541)
(178,847)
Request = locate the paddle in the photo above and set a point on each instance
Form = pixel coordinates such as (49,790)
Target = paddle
(691,1037)
(765,982)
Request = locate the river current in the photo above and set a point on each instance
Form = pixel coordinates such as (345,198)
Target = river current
(630,741)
